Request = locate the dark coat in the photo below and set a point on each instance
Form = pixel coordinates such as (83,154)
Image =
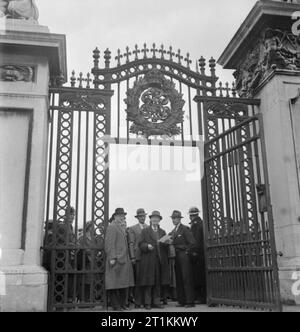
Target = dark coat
(134,238)
(198,252)
(153,261)
(184,242)
(120,275)
(183,239)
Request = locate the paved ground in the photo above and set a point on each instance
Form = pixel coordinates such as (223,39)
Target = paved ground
(201,308)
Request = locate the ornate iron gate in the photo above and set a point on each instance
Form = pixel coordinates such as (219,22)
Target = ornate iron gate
(241,254)
(156,87)
(77,196)
(85,121)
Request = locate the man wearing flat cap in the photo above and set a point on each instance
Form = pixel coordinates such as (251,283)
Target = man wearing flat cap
(154,269)
(198,255)
(183,242)
(134,237)
(118,273)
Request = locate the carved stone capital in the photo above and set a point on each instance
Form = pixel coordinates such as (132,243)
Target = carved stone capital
(17,73)
(275,49)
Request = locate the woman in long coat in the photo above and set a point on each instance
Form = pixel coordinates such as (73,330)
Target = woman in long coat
(119,271)
(154,274)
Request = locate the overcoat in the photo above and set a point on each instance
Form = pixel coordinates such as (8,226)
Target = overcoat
(198,253)
(153,262)
(183,241)
(134,238)
(120,275)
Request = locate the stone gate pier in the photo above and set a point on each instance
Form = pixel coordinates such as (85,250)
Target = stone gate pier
(29,56)
(265,52)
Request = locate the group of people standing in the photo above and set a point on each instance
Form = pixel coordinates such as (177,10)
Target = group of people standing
(143,262)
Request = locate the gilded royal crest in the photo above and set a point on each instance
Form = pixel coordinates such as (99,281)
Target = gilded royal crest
(154,106)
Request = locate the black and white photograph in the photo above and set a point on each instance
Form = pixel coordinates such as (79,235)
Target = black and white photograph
(149,158)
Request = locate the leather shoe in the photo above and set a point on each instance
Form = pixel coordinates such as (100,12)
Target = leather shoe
(190,306)
(148,307)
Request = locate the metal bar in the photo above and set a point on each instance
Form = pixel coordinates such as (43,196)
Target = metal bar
(190,112)
(86,175)
(78,171)
(127,121)
(236,147)
(182,123)
(119,115)
(246,101)
(50,161)
(234,129)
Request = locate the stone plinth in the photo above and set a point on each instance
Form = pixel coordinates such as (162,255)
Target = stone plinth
(29,56)
(265,55)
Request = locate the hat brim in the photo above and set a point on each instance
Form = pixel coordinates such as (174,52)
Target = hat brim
(141,215)
(121,214)
(173,217)
(155,215)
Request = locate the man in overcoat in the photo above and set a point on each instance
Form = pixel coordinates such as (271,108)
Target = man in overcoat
(134,237)
(154,268)
(198,255)
(118,273)
(183,242)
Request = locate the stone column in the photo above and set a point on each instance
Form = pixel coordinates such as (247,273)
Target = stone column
(29,56)
(264,54)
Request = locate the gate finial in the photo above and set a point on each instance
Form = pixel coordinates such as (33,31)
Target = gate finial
(136,52)
(188,60)
(88,80)
(171,53)
(73,79)
(179,56)
(162,51)
(154,50)
(96,56)
(127,54)
(107,57)
(212,65)
(80,79)
(145,50)
(202,65)
(119,57)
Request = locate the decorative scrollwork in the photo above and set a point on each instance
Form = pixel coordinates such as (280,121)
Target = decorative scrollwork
(16,73)
(162,108)
(275,49)
(82,101)
(155,107)
(227,110)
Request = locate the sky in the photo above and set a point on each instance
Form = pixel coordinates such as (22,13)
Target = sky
(202,28)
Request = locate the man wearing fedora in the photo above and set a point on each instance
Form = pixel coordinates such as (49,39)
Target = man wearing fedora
(183,241)
(198,255)
(118,273)
(134,237)
(154,267)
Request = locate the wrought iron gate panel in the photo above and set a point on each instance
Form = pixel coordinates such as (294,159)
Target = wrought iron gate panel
(77,178)
(241,254)
(122,72)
